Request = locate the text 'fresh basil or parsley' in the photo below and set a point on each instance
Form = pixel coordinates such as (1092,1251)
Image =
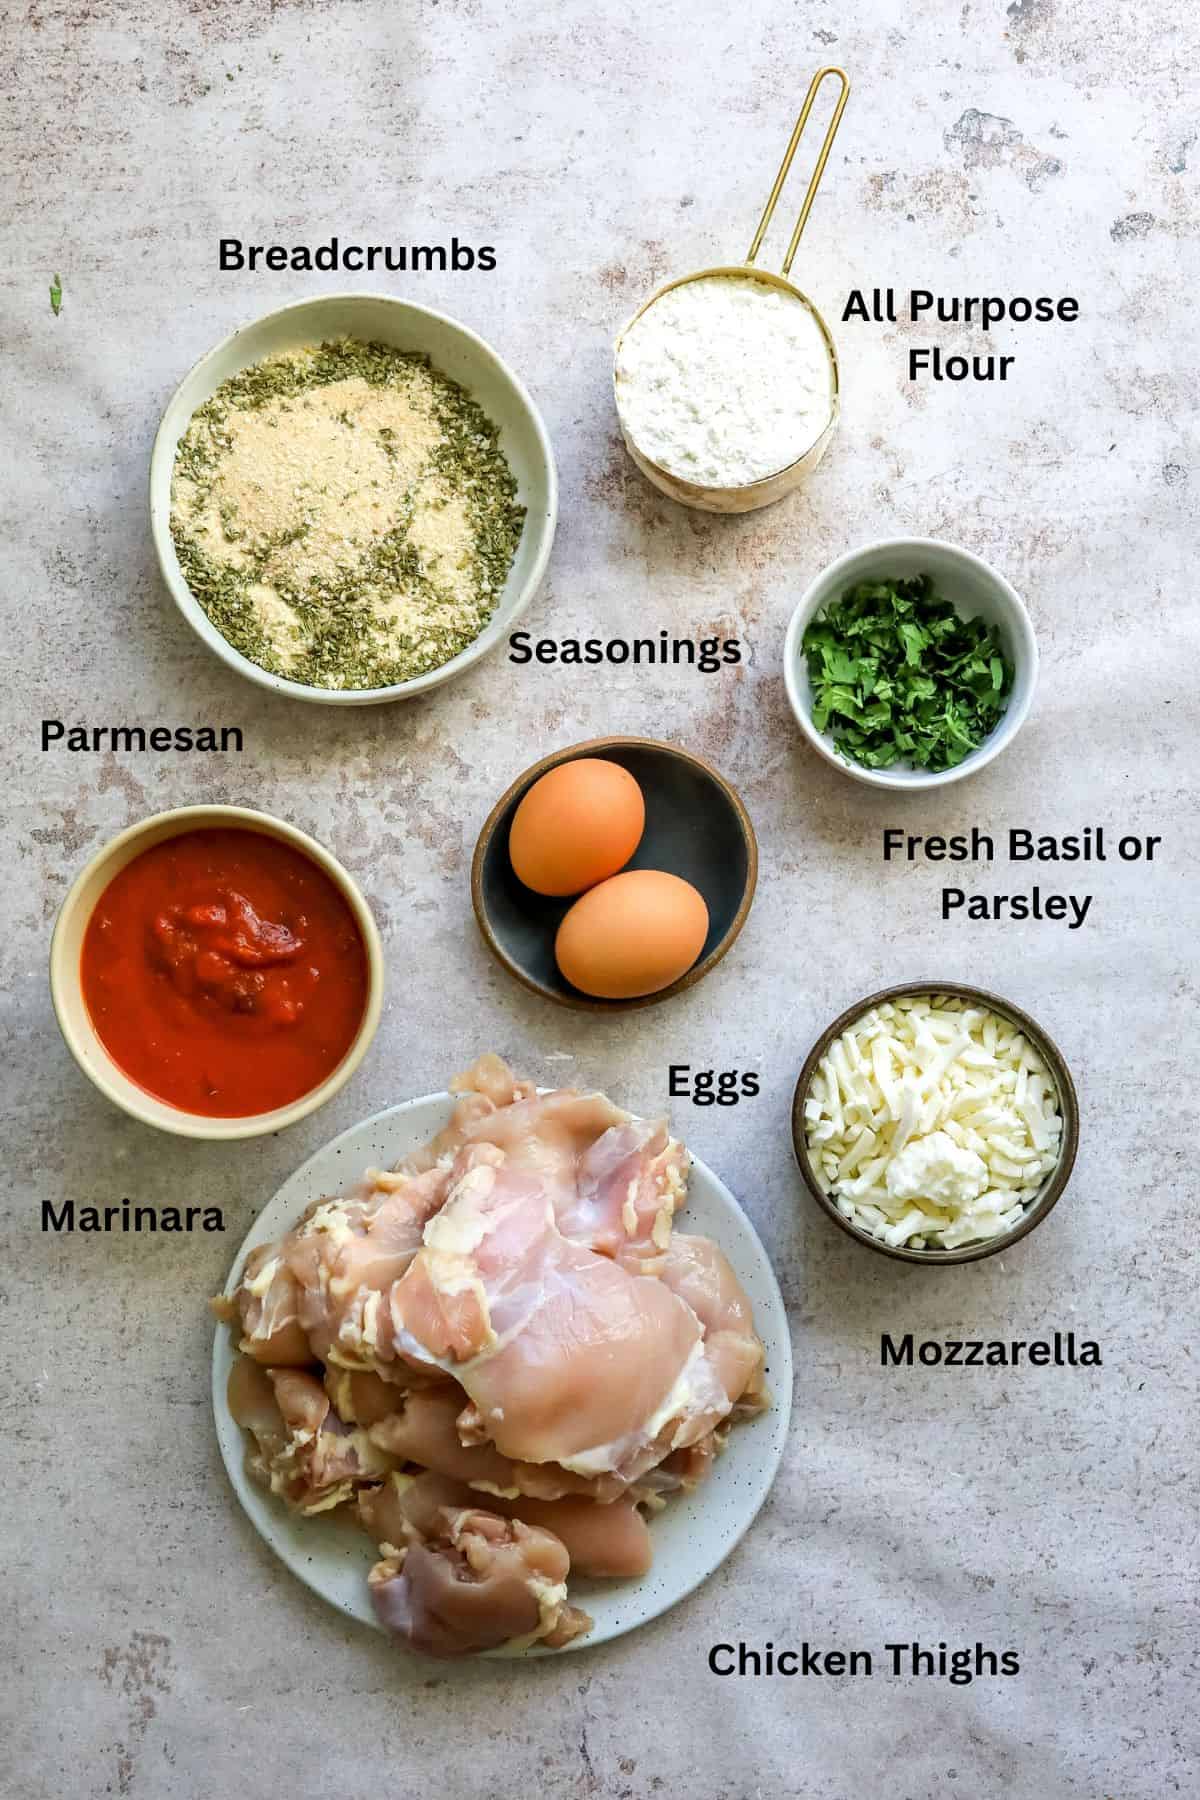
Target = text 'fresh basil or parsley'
(898,677)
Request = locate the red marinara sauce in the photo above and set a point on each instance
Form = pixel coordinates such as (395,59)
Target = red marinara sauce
(224,972)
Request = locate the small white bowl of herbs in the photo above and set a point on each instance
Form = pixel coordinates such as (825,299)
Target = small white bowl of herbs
(910,663)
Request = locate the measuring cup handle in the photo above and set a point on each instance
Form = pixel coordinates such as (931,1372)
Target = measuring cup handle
(786,164)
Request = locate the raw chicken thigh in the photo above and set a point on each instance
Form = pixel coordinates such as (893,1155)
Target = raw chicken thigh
(604,1541)
(302,1450)
(477,1582)
(567,1357)
(502,1354)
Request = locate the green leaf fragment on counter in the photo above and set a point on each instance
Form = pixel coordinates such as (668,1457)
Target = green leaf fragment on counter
(897,675)
(56,295)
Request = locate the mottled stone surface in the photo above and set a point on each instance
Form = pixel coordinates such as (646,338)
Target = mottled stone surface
(152,1647)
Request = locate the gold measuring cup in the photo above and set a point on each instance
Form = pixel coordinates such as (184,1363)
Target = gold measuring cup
(771,487)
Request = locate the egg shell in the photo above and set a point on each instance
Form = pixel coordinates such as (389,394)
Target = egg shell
(632,935)
(578,824)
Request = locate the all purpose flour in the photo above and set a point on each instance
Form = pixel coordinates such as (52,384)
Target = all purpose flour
(724,381)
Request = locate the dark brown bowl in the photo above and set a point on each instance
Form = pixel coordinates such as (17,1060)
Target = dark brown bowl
(696,827)
(1068,1106)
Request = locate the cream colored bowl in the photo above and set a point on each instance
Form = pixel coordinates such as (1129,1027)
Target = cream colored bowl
(454,350)
(67,994)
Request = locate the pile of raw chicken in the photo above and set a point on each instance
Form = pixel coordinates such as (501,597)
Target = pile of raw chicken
(501,1355)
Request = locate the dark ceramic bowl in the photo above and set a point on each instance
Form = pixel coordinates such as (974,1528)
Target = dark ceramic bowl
(696,827)
(1068,1107)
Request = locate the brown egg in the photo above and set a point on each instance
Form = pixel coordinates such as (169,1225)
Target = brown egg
(580,823)
(632,935)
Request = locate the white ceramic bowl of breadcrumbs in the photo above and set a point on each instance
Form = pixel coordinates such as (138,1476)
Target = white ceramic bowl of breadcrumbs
(352,499)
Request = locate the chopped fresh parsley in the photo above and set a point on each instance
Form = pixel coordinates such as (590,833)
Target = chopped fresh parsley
(56,295)
(898,677)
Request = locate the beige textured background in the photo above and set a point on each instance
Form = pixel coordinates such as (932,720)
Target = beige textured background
(151,1646)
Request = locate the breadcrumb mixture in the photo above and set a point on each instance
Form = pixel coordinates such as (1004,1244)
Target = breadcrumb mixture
(344,514)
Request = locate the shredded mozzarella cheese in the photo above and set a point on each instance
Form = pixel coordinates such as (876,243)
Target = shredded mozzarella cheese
(932,1123)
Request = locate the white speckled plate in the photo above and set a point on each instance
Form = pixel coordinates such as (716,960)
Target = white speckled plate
(695,1532)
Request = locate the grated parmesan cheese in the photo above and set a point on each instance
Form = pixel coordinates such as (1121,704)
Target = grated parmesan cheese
(932,1123)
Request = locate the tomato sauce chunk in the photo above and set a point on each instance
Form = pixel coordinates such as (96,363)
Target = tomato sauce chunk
(224,972)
